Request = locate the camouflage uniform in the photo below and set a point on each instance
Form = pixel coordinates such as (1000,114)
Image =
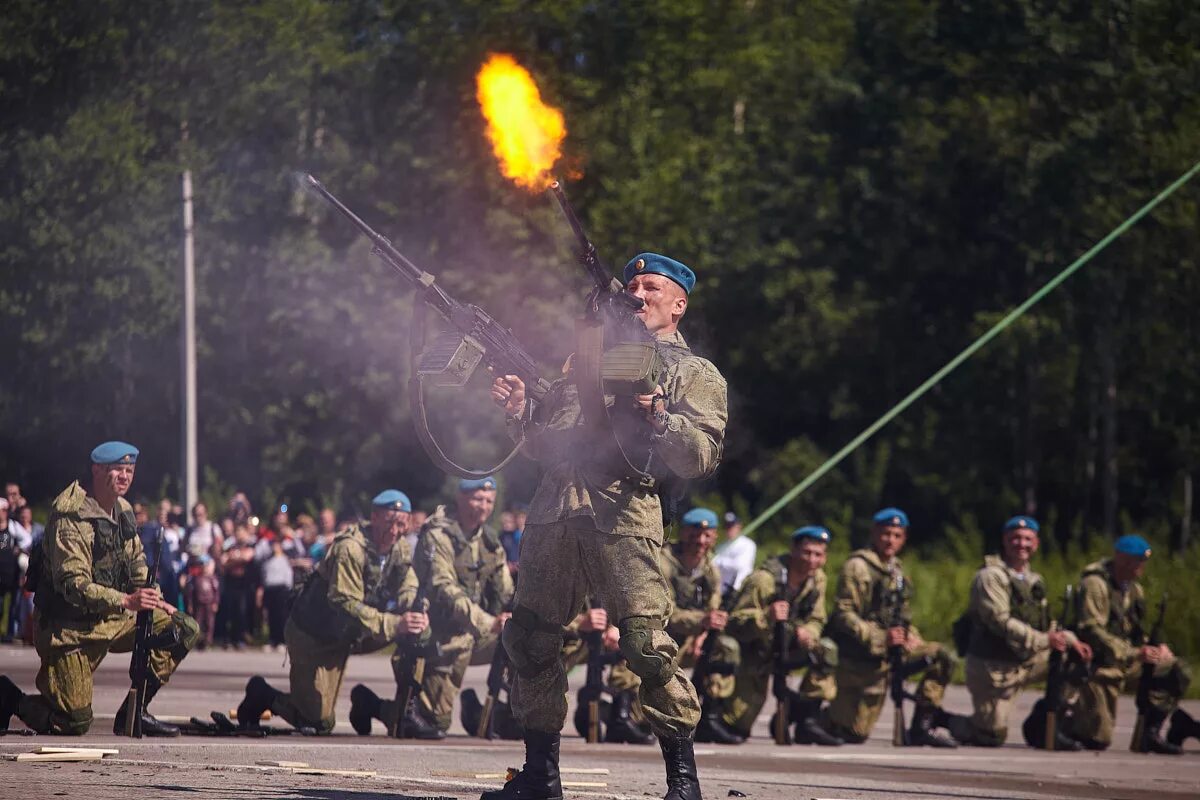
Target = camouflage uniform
(859,626)
(594,530)
(1008,650)
(90,562)
(1111,619)
(751,624)
(468,585)
(351,603)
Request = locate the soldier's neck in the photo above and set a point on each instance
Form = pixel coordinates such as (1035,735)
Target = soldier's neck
(468,526)
(106,498)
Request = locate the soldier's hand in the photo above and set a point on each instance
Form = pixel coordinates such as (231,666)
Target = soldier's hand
(779,611)
(698,644)
(912,641)
(897,637)
(508,392)
(501,618)
(612,638)
(1084,650)
(146,600)
(595,619)
(1058,640)
(805,638)
(648,404)
(1156,654)
(412,622)
(716,620)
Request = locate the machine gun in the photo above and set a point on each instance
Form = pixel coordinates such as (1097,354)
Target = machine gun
(780,669)
(409,681)
(144,642)
(473,337)
(1138,743)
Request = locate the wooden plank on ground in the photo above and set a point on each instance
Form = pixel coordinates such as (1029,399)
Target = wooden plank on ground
(57,757)
(81,749)
(350,773)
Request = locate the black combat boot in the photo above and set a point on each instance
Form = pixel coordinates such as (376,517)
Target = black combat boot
(680,759)
(621,727)
(10,700)
(150,725)
(538,779)
(808,725)
(712,727)
(415,726)
(1182,727)
(922,733)
(1152,738)
(365,706)
(259,697)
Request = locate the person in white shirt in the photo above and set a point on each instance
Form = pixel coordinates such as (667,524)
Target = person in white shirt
(735,556)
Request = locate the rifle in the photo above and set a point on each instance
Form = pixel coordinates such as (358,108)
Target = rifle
(143,643)
(898,619)
(495,684)
(410,681)
(1055,678)
(702,669)
(588,715)
(779,687)
(453,356)
(1138,743)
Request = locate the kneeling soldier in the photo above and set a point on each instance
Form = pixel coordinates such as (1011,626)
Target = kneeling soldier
(355,601)
(791,589)
(1111,617)
(1009,646)
(866,622)
(91,577)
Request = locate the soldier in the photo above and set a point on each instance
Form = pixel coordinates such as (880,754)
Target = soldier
(595,528)
(865,624)
(470,591)
(1009,647)
(90,577)
(791,589)
(357,600)
(1111,609)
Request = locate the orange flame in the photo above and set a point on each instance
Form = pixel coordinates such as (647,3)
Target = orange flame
(526,134)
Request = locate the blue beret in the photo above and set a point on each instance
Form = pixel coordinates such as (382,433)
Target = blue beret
(1022,522)
(1133,545)
(392,500)
(468,485)
(115,453)
(814,532)
(653,263)
(700,518)
(891,516)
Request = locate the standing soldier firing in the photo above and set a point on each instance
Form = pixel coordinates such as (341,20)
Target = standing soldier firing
(1112,619)
(1009,647)
(470,590)
(871,615)
(594,528)
(357,600)
(91,580)
(788,589)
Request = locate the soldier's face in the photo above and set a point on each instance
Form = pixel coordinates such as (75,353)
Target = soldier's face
(387,525)
(117,478)
(696,540)
(1019,545)
(1128,568)
(475,507)
(665,301)
(888,540)
(808,556)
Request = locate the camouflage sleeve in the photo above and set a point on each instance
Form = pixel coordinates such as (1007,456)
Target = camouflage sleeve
(816,620)
(849,606)
(750,621)
(444,589)
(408,590)
(347,592)
(991,604)
(1092,625)
(697,410)
(70,562)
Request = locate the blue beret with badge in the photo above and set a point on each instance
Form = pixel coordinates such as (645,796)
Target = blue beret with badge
(891,516)
(654,264)
(699,518)
(1133,545)
(392,500)
(814,532)
(1022,522)
(473,485)
(115,453)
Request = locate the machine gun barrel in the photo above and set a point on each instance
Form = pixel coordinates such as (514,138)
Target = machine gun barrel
(600,274)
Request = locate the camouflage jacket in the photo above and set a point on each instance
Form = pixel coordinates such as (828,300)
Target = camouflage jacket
(863,606)
(355,592)
(586,477)
(695,593)
(1110,618)
(468,581)
(1006,612)
(90,561)
(750,621)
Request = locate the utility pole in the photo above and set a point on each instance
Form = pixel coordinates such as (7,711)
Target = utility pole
(190,488)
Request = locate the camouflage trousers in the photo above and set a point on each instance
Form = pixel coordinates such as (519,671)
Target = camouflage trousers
(862,690)
(561,565)
(315,672)
(1096,711)
(444,673)
(70,656)
(994,685)
(753,682)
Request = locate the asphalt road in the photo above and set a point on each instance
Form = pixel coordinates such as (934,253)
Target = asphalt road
(202,768)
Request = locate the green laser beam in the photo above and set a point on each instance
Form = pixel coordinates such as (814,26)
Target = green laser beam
(970,350)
